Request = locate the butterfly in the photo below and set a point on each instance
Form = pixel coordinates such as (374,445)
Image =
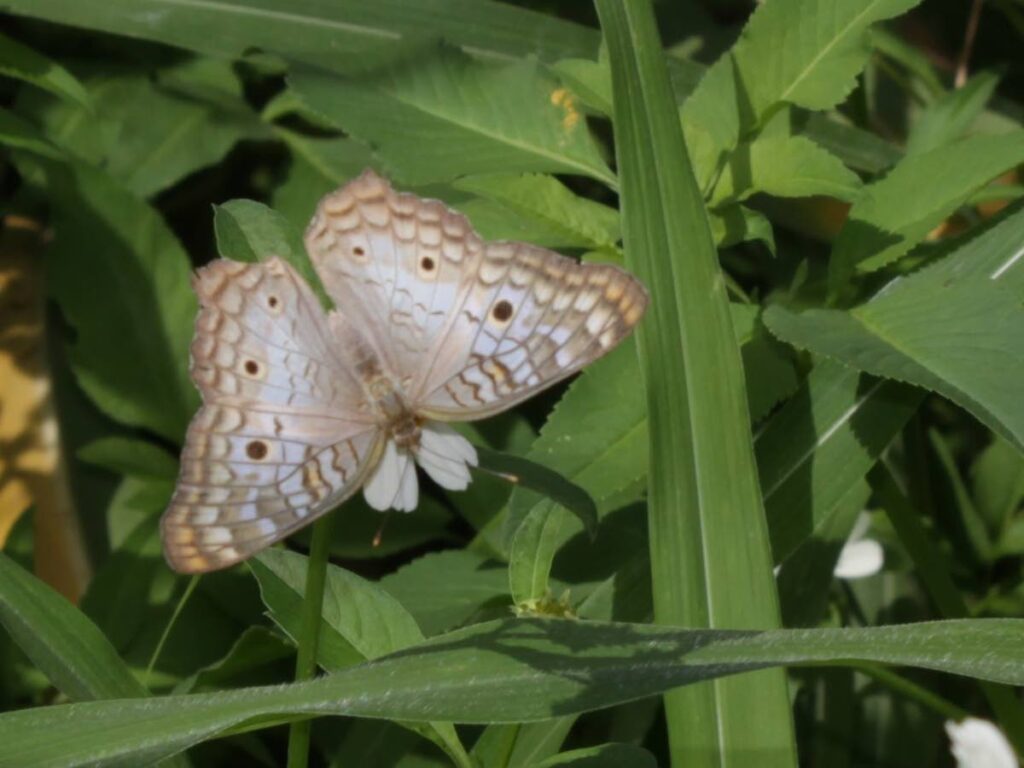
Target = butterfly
(302,407)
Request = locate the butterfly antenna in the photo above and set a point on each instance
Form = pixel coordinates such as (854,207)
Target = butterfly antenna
(378,537)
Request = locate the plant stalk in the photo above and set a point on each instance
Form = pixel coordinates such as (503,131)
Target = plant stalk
(309,632)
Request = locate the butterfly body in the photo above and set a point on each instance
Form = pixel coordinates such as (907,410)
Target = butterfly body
(303,408)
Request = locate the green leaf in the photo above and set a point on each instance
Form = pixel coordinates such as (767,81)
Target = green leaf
(807,52)
(596,437)
(318,166)
(515,670)
(784,166)
(817,448)
(710,557)
(856,147)
(998,483)
(250,231)
(340,34)
(19,61)
(128,456)
(360,620)
(953,327)
(734,224)
(805,577)
(127,298)
(443,590)
(580,222)
(257,647)
(145,134)
(603,756)
(540,479)
(17,133)
(68,648)
(802,52)
(439,114)
(950,116)
(897,212)
(521,745)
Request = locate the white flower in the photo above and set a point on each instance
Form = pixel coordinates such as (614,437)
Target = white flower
(978,743)
(859,557)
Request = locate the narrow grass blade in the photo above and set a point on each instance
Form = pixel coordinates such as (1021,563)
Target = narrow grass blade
(710,560)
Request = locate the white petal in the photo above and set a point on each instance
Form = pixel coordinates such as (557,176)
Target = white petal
(978,743)
(383,484)
(408,492)
(859,559)
(446,455)
(453,475)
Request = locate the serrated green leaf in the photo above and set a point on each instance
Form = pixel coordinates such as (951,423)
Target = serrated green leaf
(516,669)
(951,115)
(807,52)
(19,61)
(819,446)
(472,117)
(127,296)
(801,52)
(582,223)
(791,166)
(954,327)
(128,456)
(897,212)
(145,135)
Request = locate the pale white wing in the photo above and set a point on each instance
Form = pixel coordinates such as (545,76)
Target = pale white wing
(531,318)
(284,434)
(468,329)
(397,267)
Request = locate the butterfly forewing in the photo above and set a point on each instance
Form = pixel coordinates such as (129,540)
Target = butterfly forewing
(469,329)
(284,434)
(531,318)
(396,265)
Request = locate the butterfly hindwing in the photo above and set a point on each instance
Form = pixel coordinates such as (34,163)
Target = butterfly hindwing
(283,435)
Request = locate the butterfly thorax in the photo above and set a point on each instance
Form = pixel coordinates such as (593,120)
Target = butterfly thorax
(397,418)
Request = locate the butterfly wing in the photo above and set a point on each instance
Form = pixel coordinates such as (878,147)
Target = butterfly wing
(469,328)
(284,434)
(396,265)
(531,318)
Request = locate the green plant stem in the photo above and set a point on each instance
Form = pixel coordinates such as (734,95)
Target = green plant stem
(913,691)
(170,625)
(309,632)
(938,583)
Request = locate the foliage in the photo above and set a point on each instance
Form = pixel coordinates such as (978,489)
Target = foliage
(831,232)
